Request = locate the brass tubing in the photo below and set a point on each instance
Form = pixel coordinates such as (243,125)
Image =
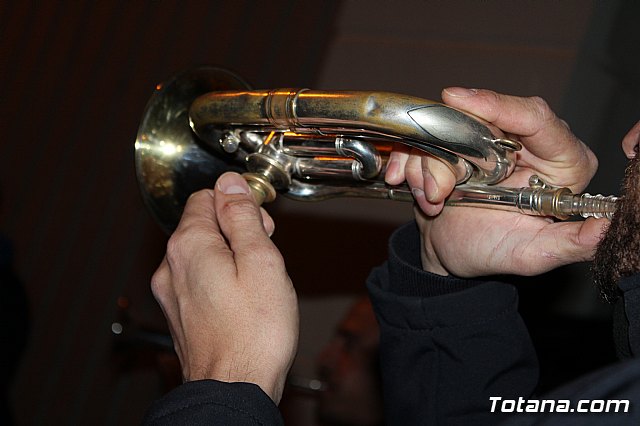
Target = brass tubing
(455,137)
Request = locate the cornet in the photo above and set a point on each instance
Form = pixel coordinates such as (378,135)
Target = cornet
(313,145)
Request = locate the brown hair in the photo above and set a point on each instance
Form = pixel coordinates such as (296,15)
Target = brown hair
(618,254)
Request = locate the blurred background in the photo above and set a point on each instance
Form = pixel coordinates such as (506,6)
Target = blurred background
(84,341)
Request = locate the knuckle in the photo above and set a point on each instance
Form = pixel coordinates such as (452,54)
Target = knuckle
(241,209)
(414,170)
(491,96)
(263,254)
(189,241)
(177,247)
(542,109)
(493,105)
(565,124)
(159,286)
(590,169)
(204,195)
(257,248)
(196,202)
(272,260)
(440,170)
(592,160)
(415,181)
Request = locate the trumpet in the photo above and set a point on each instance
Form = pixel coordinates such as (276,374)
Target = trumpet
(312,145)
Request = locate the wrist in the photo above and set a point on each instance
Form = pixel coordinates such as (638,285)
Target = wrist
(270,380)
(429,258)
(430,261)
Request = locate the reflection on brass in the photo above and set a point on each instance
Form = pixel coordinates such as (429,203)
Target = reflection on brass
(312,145)
(156,176)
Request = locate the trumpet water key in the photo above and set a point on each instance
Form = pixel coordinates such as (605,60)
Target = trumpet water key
(313,145)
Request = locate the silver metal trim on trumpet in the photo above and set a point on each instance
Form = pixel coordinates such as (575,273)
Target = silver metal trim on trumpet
(311,145)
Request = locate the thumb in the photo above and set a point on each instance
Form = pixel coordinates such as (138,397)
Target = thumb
(240,219)
(563,243)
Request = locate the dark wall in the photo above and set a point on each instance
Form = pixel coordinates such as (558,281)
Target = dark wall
(75,78)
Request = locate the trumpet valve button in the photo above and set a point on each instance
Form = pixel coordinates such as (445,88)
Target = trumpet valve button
(230,143)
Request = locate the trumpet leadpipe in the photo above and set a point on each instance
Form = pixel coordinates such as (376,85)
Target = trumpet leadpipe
(557,202)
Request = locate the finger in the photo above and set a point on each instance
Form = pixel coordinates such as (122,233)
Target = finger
(631,141)
(527,117)
(161,284)
(163,292)
(422,183)
(197,233)
(513,114)
(439,181)
(430,209)
(240,219)
(395,173)
(566,160)
(199,211)
(565,243)
(267,222)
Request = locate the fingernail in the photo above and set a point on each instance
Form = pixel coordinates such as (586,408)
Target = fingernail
(417,193)
(430,186)
(460,92)
(392,170)
(232,183)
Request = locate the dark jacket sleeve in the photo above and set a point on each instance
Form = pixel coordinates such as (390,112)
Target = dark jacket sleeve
(630,287)
(614,391)
(210,402)
(447,345)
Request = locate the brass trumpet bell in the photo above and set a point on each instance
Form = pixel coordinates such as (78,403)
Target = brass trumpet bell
(171,162)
